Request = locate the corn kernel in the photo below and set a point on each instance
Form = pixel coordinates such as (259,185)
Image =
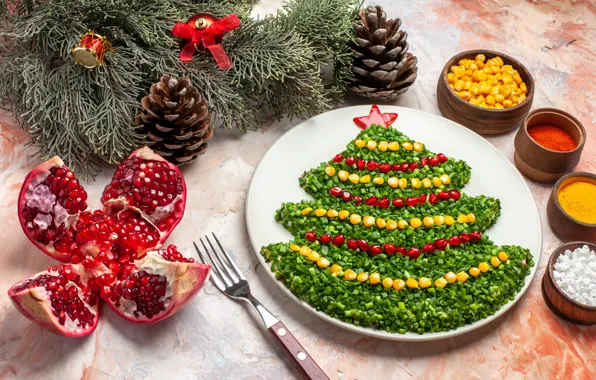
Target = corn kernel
(451,77)
(387,283)
(402,224)
(480,64)
(483,267)
(445,180)
(449,220)
(468,84)
(368,221)
(407,146)
(323,262)
(415,183)
(398,284)
(412,283)
(490,100)
(459,85)
(428,221)
(499,106)
(304,250)
(473,66)
(365,179)
(354,178)
(426,183)
(378,180)
(437,182)
(465,95)
(522,97)
(499,98)
(440,283)
(343,214)
(391,225)
(480,57)
(507,103)
(350,275)
(330,171)
(439,220)
(371,145)
(343,175)
(517,79)
(474,271)
(393,146)
(374,278)
(418,147)
(355,219)
(495,261)
(415,222)
(294,248)
(335,269)
(451,277)
(403,183)
(523,88)
(505,91)
(381,223)
(332,213)
(471,218)
(306,211)
(393,182)
(462,276)
(360,143)
(424,282)
(451,86)
(474,90)
(507,79)
(462,218)
(503,256)
(314,256)
(363,276)
(320,212)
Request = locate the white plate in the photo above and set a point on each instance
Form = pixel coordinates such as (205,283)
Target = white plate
(319,139)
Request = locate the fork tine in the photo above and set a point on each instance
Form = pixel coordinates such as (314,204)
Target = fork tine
(224,278)
(215,276)
(225,266)
(232,263)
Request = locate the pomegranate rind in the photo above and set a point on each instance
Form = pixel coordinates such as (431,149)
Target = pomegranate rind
(35,305)
(36,176)
(184,282)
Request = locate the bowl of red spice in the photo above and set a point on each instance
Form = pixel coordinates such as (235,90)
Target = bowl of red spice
(549,144)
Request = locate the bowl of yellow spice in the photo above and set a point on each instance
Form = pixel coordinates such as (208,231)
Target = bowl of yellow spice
(571,208)
(486,91)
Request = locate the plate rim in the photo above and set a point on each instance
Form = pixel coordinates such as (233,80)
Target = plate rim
(368,331)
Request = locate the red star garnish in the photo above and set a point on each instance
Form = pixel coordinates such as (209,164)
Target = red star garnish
(375,117)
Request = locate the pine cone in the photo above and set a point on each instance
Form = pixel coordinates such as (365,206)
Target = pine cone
(383,68)
(175,120)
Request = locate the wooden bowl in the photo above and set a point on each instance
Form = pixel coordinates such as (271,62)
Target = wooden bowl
(564,226)
(561,304)
(542,164)
(483,120)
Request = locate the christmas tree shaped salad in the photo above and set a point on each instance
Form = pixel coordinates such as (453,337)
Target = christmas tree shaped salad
(392,242)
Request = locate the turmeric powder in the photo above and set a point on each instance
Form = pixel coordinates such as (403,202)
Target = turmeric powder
(578,199)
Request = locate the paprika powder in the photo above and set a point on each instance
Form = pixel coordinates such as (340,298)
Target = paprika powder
(552,137)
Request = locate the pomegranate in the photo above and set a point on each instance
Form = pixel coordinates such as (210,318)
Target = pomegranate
(112,254)
(58,299)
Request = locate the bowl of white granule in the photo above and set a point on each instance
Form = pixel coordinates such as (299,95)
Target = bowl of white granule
(569,282)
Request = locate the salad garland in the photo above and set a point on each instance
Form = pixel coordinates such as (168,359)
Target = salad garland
(391,242)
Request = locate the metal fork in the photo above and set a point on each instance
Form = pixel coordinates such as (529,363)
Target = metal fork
(227,277)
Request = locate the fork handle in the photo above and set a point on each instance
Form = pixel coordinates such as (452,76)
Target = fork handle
(297,354)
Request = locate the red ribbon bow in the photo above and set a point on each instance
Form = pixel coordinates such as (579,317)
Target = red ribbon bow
(209,36)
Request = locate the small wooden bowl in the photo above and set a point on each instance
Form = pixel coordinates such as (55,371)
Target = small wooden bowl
(561,304)
(564,226)
(483,120)
(542,164)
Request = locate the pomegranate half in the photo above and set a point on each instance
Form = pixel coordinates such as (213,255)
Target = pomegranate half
(112,252)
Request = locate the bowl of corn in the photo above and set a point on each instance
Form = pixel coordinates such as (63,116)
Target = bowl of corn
(486,91)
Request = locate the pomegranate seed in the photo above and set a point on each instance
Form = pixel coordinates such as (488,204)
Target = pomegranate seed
(372,201)
(433,198)
(454,241)
(350,161)
(105,279)
(106,292)
(357,200)
(411,201)
(442,158)
(390,248)
(325,239)
(360,164)
(465,237)
(422,198)
(476,235)
(375,250)
(433,161)
(68,272)
(404,167)
(335,191)
(352,244)
(338,158)
(443,195)
(441,244)
(424,161)
(384,203)
(398,202)
(385,168)
(346,196)
(363,245)
(339,240)
(402,251)
(428,248)
(372,165)
(89,262)
(413,253)
(454,194)
(413,166)
(310,236)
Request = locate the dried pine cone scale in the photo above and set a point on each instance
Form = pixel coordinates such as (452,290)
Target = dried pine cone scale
(175,120)
(383,68)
